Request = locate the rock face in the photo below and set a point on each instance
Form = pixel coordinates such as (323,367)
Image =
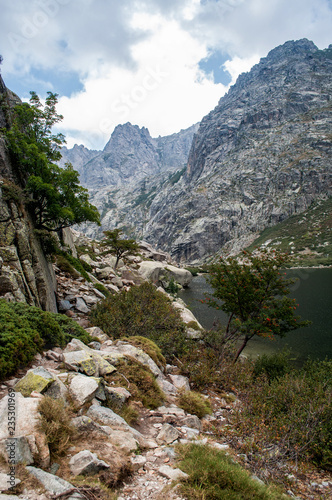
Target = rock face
(260,156)
(25,274)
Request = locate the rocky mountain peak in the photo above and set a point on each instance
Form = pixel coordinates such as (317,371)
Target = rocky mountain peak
(130,136)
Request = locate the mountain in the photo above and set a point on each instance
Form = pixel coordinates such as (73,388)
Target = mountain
(124,178)
(262,155)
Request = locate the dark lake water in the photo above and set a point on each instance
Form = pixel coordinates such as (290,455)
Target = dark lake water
(313,293)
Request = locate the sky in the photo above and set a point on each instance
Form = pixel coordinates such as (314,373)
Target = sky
(162,64)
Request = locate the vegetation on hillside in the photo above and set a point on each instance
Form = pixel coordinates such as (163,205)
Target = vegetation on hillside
(117,245)
(26,330)
(307,236)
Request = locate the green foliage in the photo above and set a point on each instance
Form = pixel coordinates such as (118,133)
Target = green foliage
(69,264)
(48,241)
(12,192)
(142,311)
(26,330)
(213,475)
(172,287)
(273,366)
(117,245)
(255,295)
(102,289)
(173,179)
(142,383)
(55,423)
(293,412)
(65,266)
(194,403)
(55,197)
(150,348)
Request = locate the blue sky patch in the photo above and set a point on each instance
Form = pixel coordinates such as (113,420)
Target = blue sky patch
(214,64)
(64,83)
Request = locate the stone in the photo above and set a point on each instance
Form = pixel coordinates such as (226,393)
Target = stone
(86,463)
(112,288)
(16,449)
(80,361)
(123,440)
(138,462)
(103,367)
(83,389)
(105,273)
(57,390)
(53,484)
(106,416)
(173,474)
(81,305)
(37,379)
(180,382)
(117,395)
(193,422)
(87,259)
(64,305)
(167,435)
(171,410)
(189,432)
(87,425)
(97,332)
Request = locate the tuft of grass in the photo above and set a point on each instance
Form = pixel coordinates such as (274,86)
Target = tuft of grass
(55,422)
(65,266)
(213,475)
(142,383)
(194,403)
(150,348)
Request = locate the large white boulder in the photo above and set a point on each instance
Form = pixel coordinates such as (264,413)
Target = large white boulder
(156,271)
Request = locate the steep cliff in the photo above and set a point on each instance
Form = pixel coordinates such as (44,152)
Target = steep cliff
(263,154)
(25,273)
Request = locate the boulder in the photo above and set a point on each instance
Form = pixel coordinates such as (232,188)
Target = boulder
(117,395)
(102,366)
(7,482)
(173,474)
(168,434)
(83,389)
(80,361)
(53,484)
(57,390)
(193,422)
(85,424)
(180,382)
(81,305)
(87,259)
(107,417)
(156,271)
(86,463)
(105,273)
(37,379)
(124,440)
(97,332)
(186,315)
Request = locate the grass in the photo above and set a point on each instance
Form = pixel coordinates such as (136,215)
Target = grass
(308,235)
(55,422)
(142,383)
(150,348)
(194,403)
(213,475)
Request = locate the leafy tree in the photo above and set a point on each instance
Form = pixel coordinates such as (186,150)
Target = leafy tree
(255,295)
(118,245)
(54,194)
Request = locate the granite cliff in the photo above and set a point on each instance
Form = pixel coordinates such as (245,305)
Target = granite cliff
(25,273)
(263,154)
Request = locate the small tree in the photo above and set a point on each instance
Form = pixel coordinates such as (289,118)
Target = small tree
(54,195)
(255,295)
(119,246)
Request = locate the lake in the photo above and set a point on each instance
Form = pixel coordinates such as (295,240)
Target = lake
(313,293)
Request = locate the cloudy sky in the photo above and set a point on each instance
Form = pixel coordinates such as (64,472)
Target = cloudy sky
(162,64)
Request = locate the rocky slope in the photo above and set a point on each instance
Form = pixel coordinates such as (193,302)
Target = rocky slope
(263,154)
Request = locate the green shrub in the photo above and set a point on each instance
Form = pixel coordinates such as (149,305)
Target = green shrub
(293,412)
(142,383)
(213,475)
(146,312)
(194,403)
(69,264)
(65,266)
(102,289)
(26,330)
(273,366)
(48,241)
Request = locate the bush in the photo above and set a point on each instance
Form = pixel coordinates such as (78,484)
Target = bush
(194,403)
(293,412)
(102,289)
(273,366)
(146,312)
(26,330)
(142,383)
(55,422)
(214,475)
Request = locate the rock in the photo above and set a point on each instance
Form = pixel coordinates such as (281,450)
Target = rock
(180,382)
(123,348)
(193,422)
(193,334)
(105,273)
(173,474)
(112,288)
(57,390)
(37,379)
(16,449)
(81,305)
(102,366)
(80,361)
(186,315)
(97,332)
(64,305)
(95,345)
(106,416)
(189,432)
(7,481)
(137,462)
(117,395)
(167,435)
(171,410)
(117,281)
(86,463)
(87,425)
(123,440)
(53,484)
(87,259)
(220,446)
(83,389)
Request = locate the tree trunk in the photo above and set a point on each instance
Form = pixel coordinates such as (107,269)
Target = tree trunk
(245,341)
